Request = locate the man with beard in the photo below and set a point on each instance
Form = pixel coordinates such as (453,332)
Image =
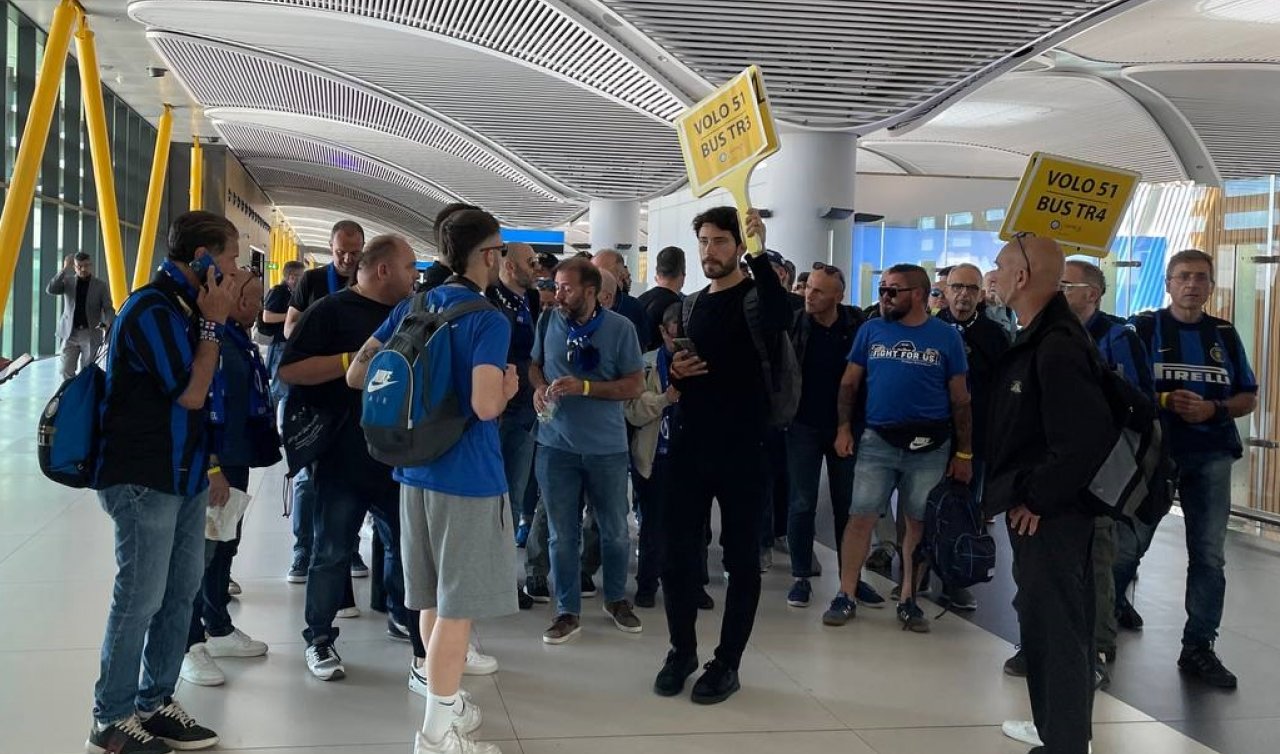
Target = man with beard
(919,427)
(717,449)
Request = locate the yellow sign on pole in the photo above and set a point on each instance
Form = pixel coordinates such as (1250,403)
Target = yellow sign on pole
(724,136)
(1078,204)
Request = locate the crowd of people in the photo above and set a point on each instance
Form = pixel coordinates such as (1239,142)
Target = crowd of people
(586,405)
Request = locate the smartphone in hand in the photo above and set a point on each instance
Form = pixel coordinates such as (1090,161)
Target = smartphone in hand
(686,344)
(201,265)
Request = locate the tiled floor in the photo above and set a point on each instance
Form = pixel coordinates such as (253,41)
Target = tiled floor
(868,688)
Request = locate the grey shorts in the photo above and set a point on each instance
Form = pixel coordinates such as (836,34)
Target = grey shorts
(459,557)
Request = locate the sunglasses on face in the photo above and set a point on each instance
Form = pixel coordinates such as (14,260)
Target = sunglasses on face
(892,291)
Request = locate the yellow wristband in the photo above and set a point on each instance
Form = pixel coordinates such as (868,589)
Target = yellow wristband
(1164,400)
(214,470)
(586,387)
(346,361)
(964,456)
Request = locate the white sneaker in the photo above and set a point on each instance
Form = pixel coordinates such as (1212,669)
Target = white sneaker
(324,662)
(235,644)
(479,664)
(454,742)
(349,612)
(470,717)
(1022,731)
(418,680)
(200,669)
(233,589)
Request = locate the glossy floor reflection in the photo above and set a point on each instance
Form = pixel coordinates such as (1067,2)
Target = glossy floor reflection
(867,688)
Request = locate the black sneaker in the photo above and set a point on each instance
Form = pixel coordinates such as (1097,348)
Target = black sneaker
(588,586)
(881,561)
(646,597)
(1203,663)
(1016,666)
(718,683)
(1128,618)
(538,592)
(675,670)
(174,726)
(125,736)
(396,631)
(298,570)
(523,600)
(705,601)
(957,598)
(842,610)
(912,617)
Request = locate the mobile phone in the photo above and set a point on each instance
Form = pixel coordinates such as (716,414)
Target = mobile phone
(686,344)
(201,265)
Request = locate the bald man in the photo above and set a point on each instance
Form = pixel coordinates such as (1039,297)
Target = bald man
(612,262)
(514,296)
(608,295)
(1045,441)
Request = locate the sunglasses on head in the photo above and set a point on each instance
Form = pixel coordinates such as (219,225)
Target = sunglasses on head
(830,269)
(1018,237)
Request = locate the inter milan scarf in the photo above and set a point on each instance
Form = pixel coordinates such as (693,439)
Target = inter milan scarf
(582,355)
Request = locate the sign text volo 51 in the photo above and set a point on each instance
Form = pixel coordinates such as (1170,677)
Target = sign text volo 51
(729,129)
(1079,204)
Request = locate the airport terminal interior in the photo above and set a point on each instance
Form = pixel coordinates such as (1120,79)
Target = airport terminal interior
(904,129)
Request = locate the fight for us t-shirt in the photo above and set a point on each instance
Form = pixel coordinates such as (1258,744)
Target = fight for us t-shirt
(907,370)
(473,466)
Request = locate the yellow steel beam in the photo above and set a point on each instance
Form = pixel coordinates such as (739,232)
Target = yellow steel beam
(155,191)
(26,165)
(100,152)
(197,174)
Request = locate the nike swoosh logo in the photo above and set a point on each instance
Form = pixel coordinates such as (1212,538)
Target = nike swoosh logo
(920,442)
(1164,350)
(375,387)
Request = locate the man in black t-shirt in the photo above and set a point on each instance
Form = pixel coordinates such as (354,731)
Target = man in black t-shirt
(345,242)
(348,482)
(669,274)
(717,451)
(271,322)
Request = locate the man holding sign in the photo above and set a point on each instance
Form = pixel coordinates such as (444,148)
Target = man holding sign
(717,447)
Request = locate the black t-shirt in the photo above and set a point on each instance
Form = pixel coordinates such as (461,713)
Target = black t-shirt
(78,317)
(277,303)
(336,324)
(826,355)
(315,285)
(729,401)
(656,301)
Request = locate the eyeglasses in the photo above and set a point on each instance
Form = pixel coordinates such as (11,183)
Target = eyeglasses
(961,288)
(829,269)
(1018,237)
(892,291)
(1192,277)
(501,249)
(1063,285)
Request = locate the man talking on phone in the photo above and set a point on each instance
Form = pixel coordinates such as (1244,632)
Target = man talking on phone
(717,448)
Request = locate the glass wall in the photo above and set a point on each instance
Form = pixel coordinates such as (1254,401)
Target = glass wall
(64,216)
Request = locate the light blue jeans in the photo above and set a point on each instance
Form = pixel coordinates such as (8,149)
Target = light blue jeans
(160,564)
(563,477)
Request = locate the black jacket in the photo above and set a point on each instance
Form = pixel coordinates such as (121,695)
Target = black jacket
(1049,426)
(984,343)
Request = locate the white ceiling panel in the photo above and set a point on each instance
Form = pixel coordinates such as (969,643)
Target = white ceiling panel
(1178,31)
(949,159)
(1233,108)
(286,187)
(313,225)
(1072,115)
(853,63)
(873,162)
(588,145)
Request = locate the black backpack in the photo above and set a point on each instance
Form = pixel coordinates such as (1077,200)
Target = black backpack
(956,544)
(777,358)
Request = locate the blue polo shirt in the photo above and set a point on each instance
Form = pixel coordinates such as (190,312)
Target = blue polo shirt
(472,467)
(582,424)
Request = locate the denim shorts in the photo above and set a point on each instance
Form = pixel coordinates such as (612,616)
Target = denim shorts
(882,468)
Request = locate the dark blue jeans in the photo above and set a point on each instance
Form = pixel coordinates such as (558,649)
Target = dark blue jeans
(340,505)
(807,448)
(516,440)
(1204,489)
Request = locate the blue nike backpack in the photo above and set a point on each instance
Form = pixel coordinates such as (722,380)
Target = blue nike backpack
(411,414)
(956,543)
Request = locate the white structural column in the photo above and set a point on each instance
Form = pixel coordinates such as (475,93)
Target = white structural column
(814,172)
(616,225)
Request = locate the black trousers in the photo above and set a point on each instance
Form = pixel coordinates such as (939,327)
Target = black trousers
(651,495)
(733,475)
(1055,603)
